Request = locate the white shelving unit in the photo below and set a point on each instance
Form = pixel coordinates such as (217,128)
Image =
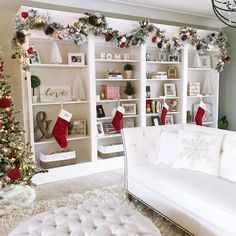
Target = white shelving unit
(199,75)
(92,75)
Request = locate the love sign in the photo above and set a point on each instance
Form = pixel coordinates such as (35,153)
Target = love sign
(55,93)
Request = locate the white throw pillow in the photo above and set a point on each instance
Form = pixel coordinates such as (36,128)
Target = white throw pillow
(168,147)
(199,152)
(228,158)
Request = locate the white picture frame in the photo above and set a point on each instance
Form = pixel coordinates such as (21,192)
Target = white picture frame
(35,58)
(58,93)
(173,58)
(170,90)
(100,130)
(130,109)
(169,120)
(76,59)
(205,61)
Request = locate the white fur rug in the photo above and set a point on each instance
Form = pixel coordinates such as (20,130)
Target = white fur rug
(106,194)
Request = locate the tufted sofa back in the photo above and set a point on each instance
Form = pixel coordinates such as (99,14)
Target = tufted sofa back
(142,143)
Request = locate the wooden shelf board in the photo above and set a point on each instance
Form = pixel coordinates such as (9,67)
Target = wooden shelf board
(166,98)
(163,80)
(110,117)
(203,96)
(168,113)
(57,66)
(204,123)
(59,103)
(69,138)
(201,69)
(116,61)
(116,100)
(115,80)
(105,136)
(163,62)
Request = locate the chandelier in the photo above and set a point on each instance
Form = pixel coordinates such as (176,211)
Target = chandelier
(225,10)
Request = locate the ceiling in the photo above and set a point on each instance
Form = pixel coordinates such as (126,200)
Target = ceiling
(198,12)
(197,7)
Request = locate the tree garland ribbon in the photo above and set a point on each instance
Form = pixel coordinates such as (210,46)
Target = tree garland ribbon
(96,24)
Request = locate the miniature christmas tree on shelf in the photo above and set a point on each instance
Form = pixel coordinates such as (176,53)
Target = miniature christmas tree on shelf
(17,166)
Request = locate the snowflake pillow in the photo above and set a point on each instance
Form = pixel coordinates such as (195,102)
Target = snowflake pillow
(199,152)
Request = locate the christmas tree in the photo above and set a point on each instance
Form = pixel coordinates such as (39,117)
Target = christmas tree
(17,165)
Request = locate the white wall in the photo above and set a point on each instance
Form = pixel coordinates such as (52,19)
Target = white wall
(227,103)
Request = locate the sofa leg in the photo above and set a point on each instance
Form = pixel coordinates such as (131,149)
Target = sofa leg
(129,196)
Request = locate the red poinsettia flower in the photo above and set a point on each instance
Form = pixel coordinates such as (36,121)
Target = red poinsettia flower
(225,59)
(13,174)
(24,14)
(5,102)
(154,39)
(30,50)
(122,45)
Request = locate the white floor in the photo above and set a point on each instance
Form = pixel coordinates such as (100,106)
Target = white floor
(78,185)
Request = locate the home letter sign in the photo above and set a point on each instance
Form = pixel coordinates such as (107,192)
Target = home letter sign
(55,93)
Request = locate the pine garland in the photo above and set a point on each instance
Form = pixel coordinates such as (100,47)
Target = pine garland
(96,24)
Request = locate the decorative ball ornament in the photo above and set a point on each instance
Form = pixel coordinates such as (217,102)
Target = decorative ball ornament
(24,15)
(13,174)
(5,102)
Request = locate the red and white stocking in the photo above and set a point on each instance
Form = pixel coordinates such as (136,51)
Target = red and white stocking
(60,128)
(200,113)
(164,111)
(118,117)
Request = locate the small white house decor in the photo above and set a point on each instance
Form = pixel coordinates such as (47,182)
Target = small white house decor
(55,93)
(196,61)
(76,59)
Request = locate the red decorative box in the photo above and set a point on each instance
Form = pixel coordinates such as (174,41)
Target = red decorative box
(112,91)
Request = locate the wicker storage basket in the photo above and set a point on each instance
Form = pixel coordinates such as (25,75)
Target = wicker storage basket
(58,159)
(108,151)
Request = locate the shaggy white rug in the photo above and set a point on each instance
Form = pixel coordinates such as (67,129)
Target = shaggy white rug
(106,194)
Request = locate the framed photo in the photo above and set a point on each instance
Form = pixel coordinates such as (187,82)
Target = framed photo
(130,109)
(77,127)
(173,58)
(58,93)
(35,58)
(100,130)
(148,91)
(155,120)
(172,73)
(76,59)
(128,122)
(205,61)
(100,111)
(169,120)
(170,90)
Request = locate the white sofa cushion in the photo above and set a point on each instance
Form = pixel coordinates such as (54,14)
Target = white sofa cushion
(228,158)
(205,196)
(168,147)
(198,152)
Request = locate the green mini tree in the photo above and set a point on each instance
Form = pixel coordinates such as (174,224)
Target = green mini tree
(128,67)
(35,82)
(129,89)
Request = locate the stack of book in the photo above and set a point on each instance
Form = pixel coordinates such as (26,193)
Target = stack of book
(109,128)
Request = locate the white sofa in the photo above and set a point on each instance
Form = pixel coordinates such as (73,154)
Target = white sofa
(197,197)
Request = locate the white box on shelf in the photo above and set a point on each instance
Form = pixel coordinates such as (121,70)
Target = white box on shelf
(57,156)
(57,159)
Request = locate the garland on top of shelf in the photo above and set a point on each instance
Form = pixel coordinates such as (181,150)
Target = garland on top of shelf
(97,25)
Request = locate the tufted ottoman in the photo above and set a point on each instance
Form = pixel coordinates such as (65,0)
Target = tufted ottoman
(108,219)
